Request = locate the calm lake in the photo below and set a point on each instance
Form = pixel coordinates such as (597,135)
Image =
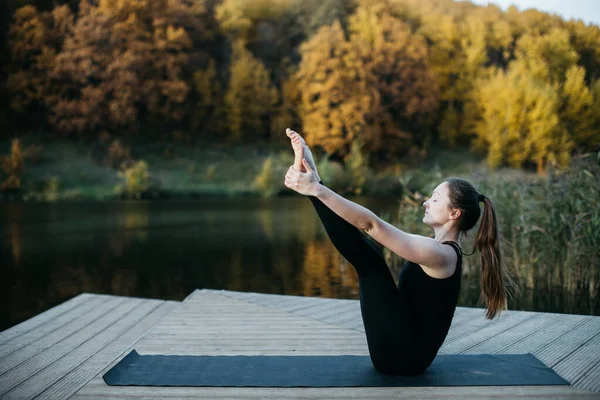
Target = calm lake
(165,249)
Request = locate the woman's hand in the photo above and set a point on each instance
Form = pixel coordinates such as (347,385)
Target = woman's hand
(302,182)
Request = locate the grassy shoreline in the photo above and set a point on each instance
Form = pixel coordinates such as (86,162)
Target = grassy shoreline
(63,170)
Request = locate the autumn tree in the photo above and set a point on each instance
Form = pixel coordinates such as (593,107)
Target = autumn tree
(259,24)
(520,121)
(35,38)
(126,63)
(579,112)
(585,39)
(375,85)
(210,115)
(462,45)
(251,97)
(286,114)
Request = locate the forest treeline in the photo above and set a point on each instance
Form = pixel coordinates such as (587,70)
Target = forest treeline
(395,76)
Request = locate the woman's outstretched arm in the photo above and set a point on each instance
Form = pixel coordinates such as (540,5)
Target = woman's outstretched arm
(355,214)
(419,249)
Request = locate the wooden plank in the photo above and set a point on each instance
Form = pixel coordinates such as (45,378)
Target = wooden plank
(98,389)
(541,338)
(241,330)
(574,367)
(280,304)
(479,329)
(78,377)
(358,326)
(561,347)
(332,312)
(52,326)
(466,316)
(316,309)
(300,307)
(16,358)
(46,316)
(512,335)
(344,316)
(48,356)
(276,301)
(292,305)
(590,380)
(40,381)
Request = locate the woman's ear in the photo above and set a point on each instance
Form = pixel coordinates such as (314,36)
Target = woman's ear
(455,214)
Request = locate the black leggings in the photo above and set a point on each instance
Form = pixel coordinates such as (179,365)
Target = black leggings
(389,325)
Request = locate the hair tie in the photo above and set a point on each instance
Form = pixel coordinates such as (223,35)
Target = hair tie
(481,197)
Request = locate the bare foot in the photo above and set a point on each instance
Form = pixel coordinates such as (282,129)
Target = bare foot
(301,150)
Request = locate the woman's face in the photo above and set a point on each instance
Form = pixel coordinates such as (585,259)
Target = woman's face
(437,208)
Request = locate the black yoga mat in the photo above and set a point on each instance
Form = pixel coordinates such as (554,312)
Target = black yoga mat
(324,371)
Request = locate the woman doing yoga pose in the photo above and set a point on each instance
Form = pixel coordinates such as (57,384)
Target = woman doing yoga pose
(406,325)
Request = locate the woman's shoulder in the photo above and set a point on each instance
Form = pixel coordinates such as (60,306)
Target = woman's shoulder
(449,270)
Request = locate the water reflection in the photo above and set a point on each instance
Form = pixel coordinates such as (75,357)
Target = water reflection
(52,252)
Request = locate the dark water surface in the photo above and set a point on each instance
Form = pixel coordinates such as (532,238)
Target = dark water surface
(50,253)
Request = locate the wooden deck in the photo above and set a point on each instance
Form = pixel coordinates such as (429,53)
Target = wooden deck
(63,352)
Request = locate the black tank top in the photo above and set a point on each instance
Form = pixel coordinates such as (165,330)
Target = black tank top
(432,302)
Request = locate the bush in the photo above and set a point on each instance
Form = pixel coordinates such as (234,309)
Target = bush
(136,180)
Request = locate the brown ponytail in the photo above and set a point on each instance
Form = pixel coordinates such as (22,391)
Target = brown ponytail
(495,278)
(496,281)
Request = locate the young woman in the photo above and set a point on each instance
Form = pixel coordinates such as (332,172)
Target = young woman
(406,325)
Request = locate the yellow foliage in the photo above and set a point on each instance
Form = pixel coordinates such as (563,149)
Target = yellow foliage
(577,110)
(209,113)
(371,86)
(547,57)
(236,17)
(250,97)
(520,122)
(136,180)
